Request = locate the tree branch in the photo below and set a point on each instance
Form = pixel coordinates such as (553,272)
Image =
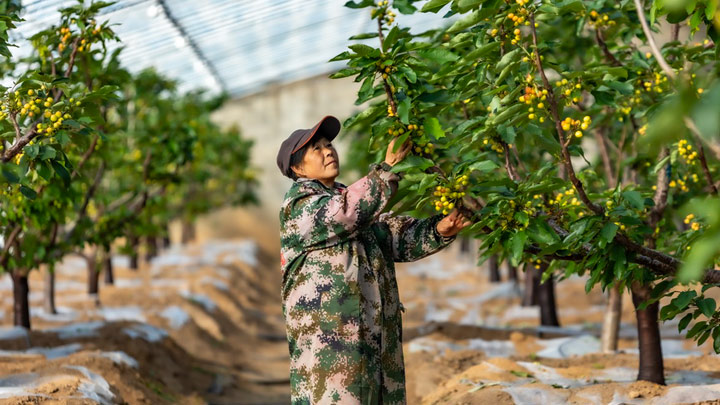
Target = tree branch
(9,242)
(20,143)
(608,55)
(704,165)
(552,102)
(651,41)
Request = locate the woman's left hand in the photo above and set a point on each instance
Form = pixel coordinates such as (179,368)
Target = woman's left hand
(452,223)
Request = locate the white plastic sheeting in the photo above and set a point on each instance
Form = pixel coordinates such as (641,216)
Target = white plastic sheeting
(240,46)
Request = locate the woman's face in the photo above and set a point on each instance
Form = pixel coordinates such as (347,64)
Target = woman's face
(320,162)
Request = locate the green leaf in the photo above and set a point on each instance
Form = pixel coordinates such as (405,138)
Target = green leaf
(61,171)
(697,328)
(622,87)
(411,162)
(364,50)
(634,198)
(366,35)
(703,337)
(707,306)
(439,55)
(508,58)
(433,6)
(483,166)
(571,6)
(701,255)
(409,73)
(684,322)
(517,244)
(391,38)
(608,232)
(683,299)
(403,110)
(432,127)
(10,176)
(361,4)
(28,192)
(342,73)
(466,5)
(466,22)
(540,232)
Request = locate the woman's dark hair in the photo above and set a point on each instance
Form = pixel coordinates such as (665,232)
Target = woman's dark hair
(297,157)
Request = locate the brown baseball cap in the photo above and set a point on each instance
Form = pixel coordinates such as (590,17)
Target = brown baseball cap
(328,127)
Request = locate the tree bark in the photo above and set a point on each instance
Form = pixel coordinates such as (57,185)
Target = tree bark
(49,290)
(494,268)
(546,297)
(512,272)
(651,366)
(530,296)
(464,245)
(134,242)
(93,274)
(108,266)
(166,241)
(151,248)
(21,306)
(611,323)
(188,232)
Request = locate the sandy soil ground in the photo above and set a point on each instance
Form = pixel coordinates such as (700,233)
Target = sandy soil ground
(203,324)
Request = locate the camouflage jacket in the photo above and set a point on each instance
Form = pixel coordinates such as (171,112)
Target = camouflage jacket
(340,297)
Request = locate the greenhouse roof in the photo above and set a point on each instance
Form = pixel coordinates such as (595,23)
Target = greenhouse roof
(240,46)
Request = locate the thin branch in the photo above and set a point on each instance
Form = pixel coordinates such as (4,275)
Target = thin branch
(552,102)
(91,191)
(704,165)
(13,119)
(690,124)
(85,156)
(607,165)
(608,55)
(512,172)
(9,242)
(662,186)
(386,86)
(651,41)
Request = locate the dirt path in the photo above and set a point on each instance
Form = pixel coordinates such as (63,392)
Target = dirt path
(203,324)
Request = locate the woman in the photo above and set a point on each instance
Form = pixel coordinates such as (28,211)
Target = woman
(340,296)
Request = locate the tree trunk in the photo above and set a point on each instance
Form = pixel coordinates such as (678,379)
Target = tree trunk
(151,247)
(512,272)
(21,306)
(611,323)
(134,242)
(188,232)
(546,297)
(108,266)
(494,267)
(651,366)
(166,241)
(464,245)
(530,296)
(93,276)
(49,291)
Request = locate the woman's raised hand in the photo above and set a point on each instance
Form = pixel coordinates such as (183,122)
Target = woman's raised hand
(453,223)
(392,158)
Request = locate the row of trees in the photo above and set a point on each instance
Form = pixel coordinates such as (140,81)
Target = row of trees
(91,154)
(590,148)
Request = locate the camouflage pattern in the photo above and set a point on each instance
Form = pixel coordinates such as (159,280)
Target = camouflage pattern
(339,293)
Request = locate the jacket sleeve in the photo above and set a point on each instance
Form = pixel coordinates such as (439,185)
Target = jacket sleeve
(321,219)
(412,238)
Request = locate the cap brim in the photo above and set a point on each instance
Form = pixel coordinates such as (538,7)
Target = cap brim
(328,127)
